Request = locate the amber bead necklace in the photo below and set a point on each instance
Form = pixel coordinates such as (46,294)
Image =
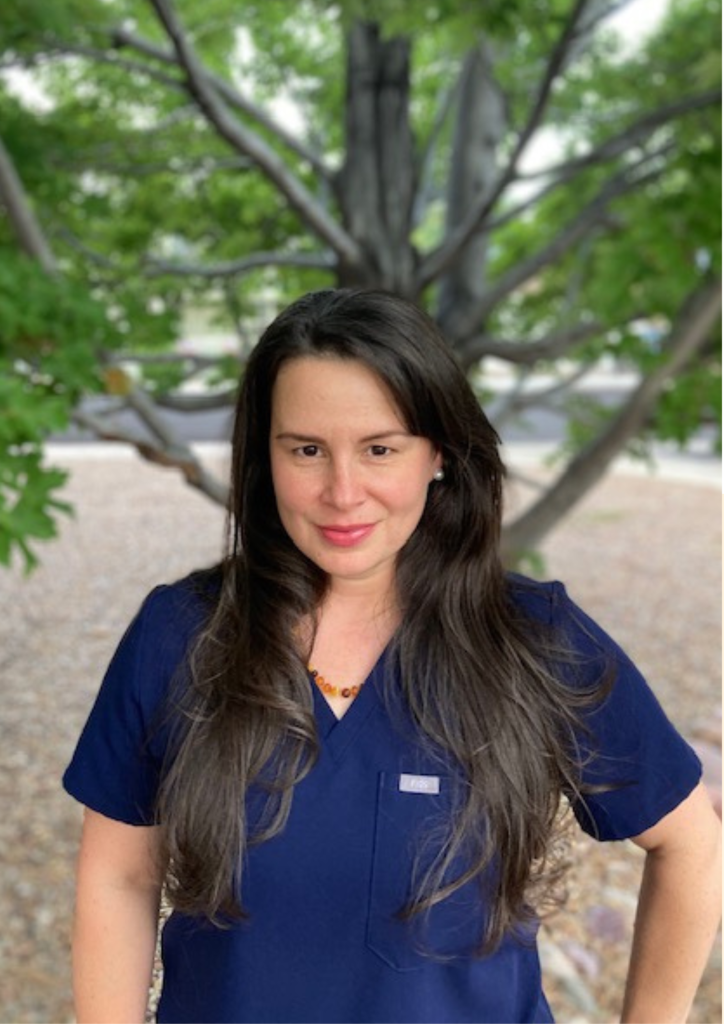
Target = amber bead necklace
(329,690)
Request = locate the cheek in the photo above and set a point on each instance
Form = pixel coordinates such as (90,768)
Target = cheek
(411,495)
(291,492)
(280,483)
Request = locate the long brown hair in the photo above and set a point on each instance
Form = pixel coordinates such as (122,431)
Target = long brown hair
(480,682)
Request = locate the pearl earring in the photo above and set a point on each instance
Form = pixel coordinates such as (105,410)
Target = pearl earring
(439,475)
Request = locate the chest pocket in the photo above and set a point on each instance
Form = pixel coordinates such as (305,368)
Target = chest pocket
(413,815)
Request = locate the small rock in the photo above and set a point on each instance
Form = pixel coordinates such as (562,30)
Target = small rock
(584,959)
(708,729)
(606,923)
(557,964)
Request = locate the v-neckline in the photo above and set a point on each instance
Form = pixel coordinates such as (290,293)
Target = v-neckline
(336,734)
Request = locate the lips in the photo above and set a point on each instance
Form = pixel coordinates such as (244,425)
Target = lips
(346,536)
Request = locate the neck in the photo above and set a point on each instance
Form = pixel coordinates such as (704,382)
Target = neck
(351,612)
(352,616)
(359,603)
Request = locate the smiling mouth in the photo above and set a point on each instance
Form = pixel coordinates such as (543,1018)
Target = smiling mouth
(346,536)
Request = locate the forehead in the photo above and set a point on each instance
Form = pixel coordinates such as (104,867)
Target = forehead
(325,386)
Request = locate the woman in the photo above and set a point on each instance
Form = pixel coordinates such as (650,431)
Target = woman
(345,748)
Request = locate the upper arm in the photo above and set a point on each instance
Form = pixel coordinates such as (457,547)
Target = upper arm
(692,825)
(119,759)
(636,768)
(120,855)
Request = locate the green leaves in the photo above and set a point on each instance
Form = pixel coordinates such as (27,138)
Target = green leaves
(28,503)
(695,397)
(49,343)
(57,328)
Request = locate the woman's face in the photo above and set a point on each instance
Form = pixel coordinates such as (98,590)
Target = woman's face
(350,480)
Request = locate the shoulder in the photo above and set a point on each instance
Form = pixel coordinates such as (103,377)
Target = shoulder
(172,614)
(185,602)
(548,605)
(124,742)
(534,599)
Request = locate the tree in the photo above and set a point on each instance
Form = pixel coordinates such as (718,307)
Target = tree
(173,177)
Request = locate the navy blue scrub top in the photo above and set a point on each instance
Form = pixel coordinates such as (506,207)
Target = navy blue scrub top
(323,942)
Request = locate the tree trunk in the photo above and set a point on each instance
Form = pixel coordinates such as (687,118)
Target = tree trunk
(479,128)
(376,185)
(688,336)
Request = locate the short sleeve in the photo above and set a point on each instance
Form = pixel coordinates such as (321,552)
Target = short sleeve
(117,763)
(629,748)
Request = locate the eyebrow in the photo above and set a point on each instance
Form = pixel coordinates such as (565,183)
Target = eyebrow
(311,439)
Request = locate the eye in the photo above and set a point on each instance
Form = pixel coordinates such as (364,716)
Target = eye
(379,450)
(308,451)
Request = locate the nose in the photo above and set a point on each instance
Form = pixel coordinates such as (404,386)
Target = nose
(344,486)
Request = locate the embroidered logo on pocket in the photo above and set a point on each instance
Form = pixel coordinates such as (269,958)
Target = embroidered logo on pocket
(429,784)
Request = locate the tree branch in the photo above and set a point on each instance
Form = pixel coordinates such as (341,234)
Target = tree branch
(518,400)
(187,403)
(198,403)
(604,13)
(530,482)
(425,160)
(173,456)
(53,46)
(202,164)
(96,258)
(142,404)
(516,212)
(151,267)
(688,336)
(611,148)
(440,258)
(591,214)
(29,233)
(123,37)
(198,362)
(245,141)
(526,353)
(625,139)
(479,127)
(234,268)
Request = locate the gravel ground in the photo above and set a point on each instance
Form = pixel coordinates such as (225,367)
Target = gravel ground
(642,555)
